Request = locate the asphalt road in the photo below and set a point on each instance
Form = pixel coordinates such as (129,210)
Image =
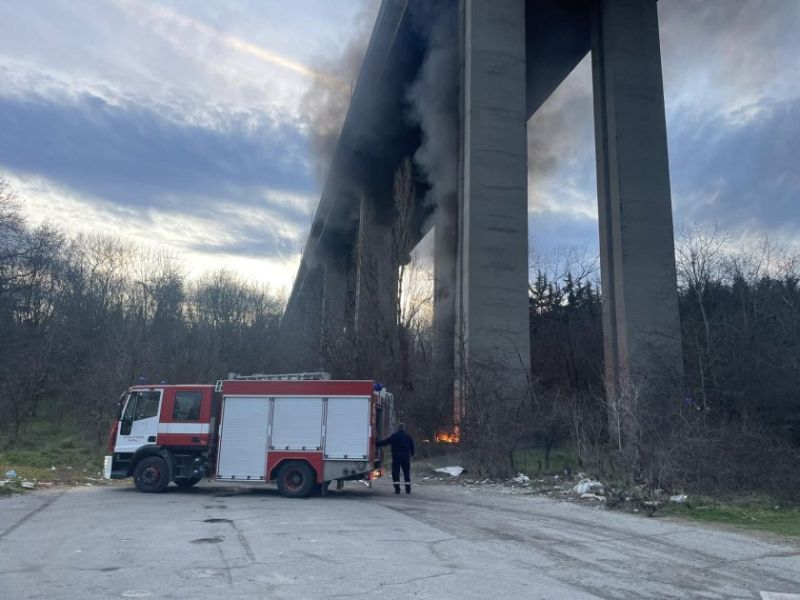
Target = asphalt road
(441,542)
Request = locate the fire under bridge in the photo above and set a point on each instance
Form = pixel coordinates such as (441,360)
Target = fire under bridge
(510,55)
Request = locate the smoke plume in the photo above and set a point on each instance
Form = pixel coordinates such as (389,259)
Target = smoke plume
(433,98)
(327,98)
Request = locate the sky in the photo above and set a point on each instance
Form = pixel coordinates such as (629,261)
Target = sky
(181,125)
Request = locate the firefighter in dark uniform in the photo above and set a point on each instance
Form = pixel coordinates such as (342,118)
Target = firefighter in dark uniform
(402,446)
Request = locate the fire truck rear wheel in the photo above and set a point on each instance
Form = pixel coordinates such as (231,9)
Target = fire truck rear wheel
(296,479)
(151,475)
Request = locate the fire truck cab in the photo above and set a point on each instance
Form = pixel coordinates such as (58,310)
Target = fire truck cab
(301,431)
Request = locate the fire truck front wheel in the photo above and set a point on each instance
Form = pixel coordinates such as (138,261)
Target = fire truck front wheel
(296,479)
(151,475)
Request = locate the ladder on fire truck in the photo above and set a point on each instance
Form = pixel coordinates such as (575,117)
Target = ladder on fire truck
(308,376)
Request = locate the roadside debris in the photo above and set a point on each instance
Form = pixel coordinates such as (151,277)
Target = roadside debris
(521,479)
(588,486)
(679,499)
(452,471)
(589,496)
(11,474)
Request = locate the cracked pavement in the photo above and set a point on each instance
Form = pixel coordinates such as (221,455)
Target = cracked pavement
(441,542)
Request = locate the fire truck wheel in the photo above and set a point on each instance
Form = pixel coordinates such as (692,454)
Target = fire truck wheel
(186,482)
(151,475)
(295,479)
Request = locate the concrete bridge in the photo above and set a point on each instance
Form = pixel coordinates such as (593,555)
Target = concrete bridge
(508,56)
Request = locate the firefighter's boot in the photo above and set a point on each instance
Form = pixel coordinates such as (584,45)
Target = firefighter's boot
(396,488)
(408,488)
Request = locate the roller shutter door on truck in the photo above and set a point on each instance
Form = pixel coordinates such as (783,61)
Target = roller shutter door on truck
(347,430)
(297,424)
(243,438)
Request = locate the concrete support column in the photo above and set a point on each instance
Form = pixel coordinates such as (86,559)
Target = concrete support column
(334,307)
(492,311)
(313,318)
(376,292)
(640,305)
(444,292)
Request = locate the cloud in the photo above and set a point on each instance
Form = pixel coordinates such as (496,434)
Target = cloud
(743,173)
(552,230)
(562,192)
(260,244)
(172,25)
(733,126)
(234,191)
(169,123)
(720,56)
(130,154)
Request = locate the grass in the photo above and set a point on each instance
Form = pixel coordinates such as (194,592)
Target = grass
(754,513)
(532,462)
(46,453)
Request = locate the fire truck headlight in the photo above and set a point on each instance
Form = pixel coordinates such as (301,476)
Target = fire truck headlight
(361,466)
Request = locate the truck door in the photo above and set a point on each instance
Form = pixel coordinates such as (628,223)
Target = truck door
(243,438)
(139,423)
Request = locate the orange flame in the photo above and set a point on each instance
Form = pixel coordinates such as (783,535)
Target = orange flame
(448,437)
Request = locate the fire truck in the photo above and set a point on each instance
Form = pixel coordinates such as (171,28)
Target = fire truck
(301,431)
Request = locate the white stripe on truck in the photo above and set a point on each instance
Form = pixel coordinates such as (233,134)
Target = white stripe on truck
(183,428)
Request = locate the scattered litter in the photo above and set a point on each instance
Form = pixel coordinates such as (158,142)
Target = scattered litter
(522,479)
(588,486)
(136,594)
(593,497)
(4,481)
(28,485)
(452,471)
(679,499)
(11,474)
(52,468)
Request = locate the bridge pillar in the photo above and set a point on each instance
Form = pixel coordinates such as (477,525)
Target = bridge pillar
(640,305)
(444,292)
(375,292)
(334,308)
(301,326)
(492,304)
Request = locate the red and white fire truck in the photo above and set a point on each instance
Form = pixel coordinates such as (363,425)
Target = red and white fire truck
(301,430)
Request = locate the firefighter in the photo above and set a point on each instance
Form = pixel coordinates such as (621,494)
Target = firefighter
(402,446)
